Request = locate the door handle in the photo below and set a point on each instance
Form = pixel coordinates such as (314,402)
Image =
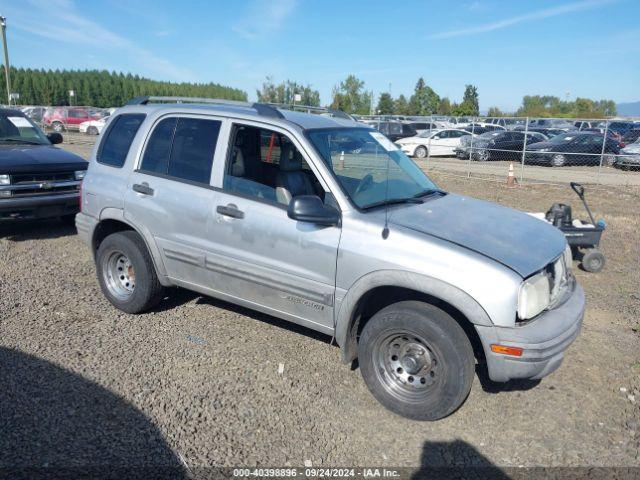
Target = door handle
(142,188)
(230,211)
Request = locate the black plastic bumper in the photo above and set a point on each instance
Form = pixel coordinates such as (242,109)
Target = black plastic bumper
(40,206)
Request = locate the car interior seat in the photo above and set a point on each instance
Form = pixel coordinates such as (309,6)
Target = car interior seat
(291,180)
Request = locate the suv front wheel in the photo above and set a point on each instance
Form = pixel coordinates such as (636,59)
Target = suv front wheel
(416,360)
(126,273)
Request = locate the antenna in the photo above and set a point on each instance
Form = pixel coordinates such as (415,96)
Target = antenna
(385,230)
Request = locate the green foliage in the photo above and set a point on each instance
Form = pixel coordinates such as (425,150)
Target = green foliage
(470,100)
(100,88)
(444,108)
(424,100)
(351,97)
(284,93)
(495,112)
(550,106)
(385,104)
(401,106)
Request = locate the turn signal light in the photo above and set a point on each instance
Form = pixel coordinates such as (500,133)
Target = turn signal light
(513,351)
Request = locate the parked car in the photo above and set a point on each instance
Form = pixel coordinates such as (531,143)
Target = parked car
(589,125)
(506,145)
(305,238)
(37,180)
(437,142)
(396,130)
(93,127)
(552,123)
(631,136)
(69,118)
(629,156)
(622,127)
(421,127)
(573,148)
(34,113)
(487,126)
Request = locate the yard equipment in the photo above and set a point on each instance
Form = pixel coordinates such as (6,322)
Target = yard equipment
(580,234)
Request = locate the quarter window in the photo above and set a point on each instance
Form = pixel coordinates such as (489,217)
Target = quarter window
(115,146)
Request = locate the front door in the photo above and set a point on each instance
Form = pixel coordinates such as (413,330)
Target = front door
(261,256)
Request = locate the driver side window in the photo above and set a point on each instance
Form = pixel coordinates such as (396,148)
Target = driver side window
(266,165)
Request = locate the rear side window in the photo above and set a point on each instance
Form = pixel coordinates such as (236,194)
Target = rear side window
(115,146)
(182,148)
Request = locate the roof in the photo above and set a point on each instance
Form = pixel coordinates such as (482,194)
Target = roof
(11,112)
(256,111)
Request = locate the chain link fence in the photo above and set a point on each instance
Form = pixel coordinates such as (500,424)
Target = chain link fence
(536,150)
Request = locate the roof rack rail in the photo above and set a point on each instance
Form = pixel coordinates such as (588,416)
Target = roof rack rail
(312,109)
(263,109)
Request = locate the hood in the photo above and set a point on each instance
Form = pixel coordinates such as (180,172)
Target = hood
(38,158)
(517,240)
(632,148)
(407,140)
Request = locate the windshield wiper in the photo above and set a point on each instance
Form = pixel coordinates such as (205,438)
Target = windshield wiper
(20,140)
(392,201)
(429,191)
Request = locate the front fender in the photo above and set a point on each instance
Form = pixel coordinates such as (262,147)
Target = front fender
(346,337)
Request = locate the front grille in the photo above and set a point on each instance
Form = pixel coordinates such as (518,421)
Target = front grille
(33,184)
(560,280)
(25,178)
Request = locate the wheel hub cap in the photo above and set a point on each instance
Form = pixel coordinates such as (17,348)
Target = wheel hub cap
(119,275)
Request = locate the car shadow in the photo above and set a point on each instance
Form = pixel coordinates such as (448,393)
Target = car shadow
(455,460)
(22,230)
(490,386)
(179,296)
(57,424)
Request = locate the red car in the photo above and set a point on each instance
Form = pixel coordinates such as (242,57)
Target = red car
(69,118)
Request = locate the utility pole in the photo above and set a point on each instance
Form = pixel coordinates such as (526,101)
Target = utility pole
(3,25)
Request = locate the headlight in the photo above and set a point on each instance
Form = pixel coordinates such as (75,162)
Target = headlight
(79,174)
(534,296)
(4,180)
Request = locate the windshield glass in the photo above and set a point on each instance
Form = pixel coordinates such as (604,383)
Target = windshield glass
(370,168)
(562,138)
(18,129)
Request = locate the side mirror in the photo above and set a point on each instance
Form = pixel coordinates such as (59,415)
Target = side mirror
(55,138)
(309,208)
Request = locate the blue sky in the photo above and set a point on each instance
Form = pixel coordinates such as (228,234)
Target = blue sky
(506,48)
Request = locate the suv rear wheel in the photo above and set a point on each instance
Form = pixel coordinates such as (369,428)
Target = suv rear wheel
(416,360)
(126,273)
(57,126)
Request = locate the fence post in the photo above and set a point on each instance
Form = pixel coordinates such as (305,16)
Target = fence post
(429,142)
(604,145)
(524,149)
(473,127)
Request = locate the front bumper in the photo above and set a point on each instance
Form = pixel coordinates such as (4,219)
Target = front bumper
(543,340)
(629,160)
(39,206)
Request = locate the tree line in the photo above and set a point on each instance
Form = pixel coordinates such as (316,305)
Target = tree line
(101,88)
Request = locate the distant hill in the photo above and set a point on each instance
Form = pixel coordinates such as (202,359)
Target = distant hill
(631,109)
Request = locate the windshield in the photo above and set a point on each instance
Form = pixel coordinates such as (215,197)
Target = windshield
(18,129)
(370,168)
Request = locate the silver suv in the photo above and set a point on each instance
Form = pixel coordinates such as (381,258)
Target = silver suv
(324,222)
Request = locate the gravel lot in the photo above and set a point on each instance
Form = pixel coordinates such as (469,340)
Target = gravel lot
(197,381)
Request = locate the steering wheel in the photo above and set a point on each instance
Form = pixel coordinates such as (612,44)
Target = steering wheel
(364,184)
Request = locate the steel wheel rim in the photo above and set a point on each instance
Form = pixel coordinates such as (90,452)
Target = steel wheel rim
(406,365)
(421,152)
(119,275)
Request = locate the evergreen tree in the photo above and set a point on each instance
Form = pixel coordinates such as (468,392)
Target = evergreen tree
(401,106)
(470,100)
(385,104)
(424,100)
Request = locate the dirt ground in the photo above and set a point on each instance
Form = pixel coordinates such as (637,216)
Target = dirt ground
(196,381)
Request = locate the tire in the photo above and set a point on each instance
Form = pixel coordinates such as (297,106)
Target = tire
(92,130)
(420,386)
(609,160)
(482,155)
(421,152)
(137,289)
(593,261)
(558,160)
(57,126)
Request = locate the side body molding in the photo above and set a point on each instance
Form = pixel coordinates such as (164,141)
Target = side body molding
(459,299)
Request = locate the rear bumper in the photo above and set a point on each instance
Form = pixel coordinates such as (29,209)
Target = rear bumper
(39,206)
(544,341)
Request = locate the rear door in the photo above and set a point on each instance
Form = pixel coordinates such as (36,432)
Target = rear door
(170,195)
